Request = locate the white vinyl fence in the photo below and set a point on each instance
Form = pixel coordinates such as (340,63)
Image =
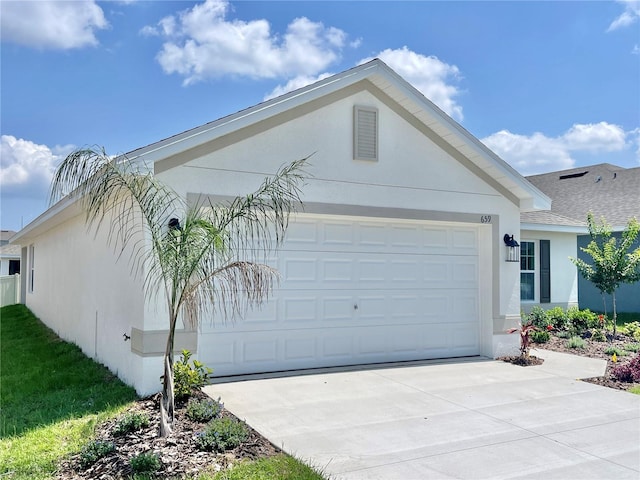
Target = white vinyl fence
(9,289)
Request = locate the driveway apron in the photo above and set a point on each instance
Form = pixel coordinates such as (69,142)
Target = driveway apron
(470,419)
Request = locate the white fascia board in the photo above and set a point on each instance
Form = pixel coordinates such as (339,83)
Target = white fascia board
(541,227)
(262,111)
(458,135)
(65,209)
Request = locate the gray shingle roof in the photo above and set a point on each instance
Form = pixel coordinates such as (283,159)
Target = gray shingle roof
(10,250)
(547,217)
(606,190)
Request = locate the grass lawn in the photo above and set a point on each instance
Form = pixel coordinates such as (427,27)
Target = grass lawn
(626,317)
(53,396)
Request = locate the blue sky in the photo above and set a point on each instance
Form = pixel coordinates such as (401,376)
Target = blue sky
(546,85)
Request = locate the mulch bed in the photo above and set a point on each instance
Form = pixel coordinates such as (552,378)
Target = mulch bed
(529,361)
(178,453)
(181,458)
(591,349)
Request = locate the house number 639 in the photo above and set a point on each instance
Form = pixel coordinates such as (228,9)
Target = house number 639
(485,219)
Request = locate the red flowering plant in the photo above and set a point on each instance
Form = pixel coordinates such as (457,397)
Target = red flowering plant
(525,340)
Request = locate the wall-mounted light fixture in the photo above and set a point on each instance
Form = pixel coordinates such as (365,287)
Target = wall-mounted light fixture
(513,248)
(174,224)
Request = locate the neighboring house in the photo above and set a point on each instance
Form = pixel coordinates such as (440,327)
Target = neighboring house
(399,254)
(607,191)
(9,254)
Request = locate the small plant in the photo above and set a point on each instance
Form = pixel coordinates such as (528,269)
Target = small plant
(147,462)
(557,318)
(187,377)
(131,422)
(613,350)
(575,342)
(94,451)
(631,329)
(541,336)
(525,337)
(581,320)
(203,410)
(597,335)
(563,334)
(628,372)
(222,434)
(632,347)
(538,318)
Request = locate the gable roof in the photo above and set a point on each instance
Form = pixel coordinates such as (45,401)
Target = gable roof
(374,76)
(378,78)
(606,190)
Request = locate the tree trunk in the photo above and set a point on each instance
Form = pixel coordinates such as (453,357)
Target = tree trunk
(167,397)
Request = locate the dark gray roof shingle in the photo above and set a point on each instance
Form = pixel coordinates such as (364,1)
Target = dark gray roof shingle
(606,190)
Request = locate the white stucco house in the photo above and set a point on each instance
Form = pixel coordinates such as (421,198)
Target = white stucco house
(399,254)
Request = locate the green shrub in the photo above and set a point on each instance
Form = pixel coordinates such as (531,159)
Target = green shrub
(541,336)
(557,318)
(581,320)
(597,335)
(611,350)
(94,451)
(147,462)
(131,422)
(563,334)
(203,410)
(538,318)
(632,347)
(632,329)
(575,342)
(187,378)
(222,434)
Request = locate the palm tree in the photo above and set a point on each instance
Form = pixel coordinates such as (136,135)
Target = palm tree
(203,258)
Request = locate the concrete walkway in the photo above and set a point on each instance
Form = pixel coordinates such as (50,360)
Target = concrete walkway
(470,419)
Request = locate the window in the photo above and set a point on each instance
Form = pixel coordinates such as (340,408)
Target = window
(31,268)
(14,267)
(527,270)
(365,133)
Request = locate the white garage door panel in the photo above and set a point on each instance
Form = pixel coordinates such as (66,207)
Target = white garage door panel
(358,291)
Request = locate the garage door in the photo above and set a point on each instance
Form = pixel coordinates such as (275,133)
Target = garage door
(358,291)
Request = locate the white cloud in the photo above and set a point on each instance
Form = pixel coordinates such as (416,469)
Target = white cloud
(630,15)
(26,168)
(636,49)
(295,83)
(537,153)
(52,24)
(202,43)
(595,137)
(431,76)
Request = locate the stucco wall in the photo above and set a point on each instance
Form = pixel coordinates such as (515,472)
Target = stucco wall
(88,297)
(564,275)
(412,173)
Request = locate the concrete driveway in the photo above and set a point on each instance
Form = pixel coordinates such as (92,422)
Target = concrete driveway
(471,419)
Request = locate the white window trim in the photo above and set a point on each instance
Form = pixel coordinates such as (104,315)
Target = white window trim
(536,272)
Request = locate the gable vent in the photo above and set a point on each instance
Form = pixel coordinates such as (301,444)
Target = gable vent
(365,129)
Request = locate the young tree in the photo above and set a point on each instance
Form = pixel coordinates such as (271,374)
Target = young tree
(613,263)
(200,257)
